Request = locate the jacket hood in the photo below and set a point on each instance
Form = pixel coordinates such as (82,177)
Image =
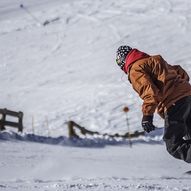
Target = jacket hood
(132,57)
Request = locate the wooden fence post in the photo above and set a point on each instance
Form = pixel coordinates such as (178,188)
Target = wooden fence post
(3,122)
(33,130)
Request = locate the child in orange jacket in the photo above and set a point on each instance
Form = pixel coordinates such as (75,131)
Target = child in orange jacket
(163,88)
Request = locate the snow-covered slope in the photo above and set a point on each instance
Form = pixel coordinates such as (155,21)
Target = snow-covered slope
(66,70)
(33,166)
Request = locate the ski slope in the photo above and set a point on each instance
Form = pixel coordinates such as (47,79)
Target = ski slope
(66,70)
(29,165)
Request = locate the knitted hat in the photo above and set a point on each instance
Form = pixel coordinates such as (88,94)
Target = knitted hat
(121,55)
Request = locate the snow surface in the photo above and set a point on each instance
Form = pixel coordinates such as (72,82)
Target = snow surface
(66,70)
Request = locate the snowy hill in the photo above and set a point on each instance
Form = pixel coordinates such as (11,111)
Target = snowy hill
(65,70)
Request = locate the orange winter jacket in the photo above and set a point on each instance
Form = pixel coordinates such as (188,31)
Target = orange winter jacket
(158,83)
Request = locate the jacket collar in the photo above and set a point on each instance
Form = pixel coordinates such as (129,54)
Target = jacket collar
(132,57)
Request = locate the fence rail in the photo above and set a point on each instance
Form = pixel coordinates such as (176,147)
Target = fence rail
(72,133)
(3,122)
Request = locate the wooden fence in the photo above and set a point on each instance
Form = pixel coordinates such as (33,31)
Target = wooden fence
(72,132)
(3,122)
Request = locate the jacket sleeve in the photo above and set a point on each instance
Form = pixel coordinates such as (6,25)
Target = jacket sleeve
(180,71)
(144,86)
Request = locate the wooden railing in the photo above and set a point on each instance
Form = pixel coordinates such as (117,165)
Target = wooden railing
(72,133)
(4,122)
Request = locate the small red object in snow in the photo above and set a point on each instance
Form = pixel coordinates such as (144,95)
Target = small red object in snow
(126,109)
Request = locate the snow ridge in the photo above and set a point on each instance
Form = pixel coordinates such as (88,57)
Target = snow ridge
(91,142)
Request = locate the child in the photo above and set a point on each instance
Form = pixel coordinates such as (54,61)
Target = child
(164,88)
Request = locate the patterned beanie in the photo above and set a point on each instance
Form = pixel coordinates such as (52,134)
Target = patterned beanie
(121,55)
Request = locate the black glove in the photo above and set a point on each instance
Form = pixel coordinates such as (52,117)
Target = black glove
(147,123)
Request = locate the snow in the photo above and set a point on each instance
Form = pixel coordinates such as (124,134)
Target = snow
(31,162)
(66,70)
(62,164)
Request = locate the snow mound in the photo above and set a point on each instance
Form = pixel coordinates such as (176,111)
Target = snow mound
(101,141)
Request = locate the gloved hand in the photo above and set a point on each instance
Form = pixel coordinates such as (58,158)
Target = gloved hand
(147,123)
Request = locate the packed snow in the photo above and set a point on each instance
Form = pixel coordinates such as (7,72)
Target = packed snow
(57,63)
